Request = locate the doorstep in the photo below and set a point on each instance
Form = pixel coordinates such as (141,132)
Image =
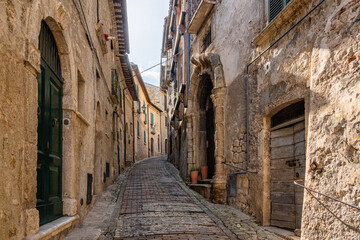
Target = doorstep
(56,229)
(287,234)
(202,189)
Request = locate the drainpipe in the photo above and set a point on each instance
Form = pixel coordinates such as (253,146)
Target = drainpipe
(247,83)
(188,62)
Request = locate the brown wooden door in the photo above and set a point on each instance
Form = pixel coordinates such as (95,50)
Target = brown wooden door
(287,164)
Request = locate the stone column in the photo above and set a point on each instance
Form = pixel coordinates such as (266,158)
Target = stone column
(219,180)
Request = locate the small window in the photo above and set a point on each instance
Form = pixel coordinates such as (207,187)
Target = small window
(138,128)
(206,41)
(81,94)
(275,7)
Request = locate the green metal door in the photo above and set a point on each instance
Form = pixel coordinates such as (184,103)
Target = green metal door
(49,163)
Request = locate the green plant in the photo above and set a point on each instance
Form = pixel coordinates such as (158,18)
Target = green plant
(194,169)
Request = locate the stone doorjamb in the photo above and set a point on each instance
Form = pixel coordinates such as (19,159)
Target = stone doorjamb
(208,64)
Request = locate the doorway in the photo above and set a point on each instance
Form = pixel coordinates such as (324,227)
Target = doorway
(49,147)
(152,147)
(207,125)
(287,164)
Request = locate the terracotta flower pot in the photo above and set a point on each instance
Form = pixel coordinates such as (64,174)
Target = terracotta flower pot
(204,172)
(194,176)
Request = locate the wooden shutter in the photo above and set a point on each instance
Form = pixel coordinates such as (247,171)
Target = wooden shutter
(151,119)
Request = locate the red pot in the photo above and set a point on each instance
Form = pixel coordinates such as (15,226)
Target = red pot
(194,176)
(204,172)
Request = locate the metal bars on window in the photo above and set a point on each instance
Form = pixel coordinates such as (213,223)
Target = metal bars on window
(275,7)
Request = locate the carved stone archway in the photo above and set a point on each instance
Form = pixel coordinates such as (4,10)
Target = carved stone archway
(208,64)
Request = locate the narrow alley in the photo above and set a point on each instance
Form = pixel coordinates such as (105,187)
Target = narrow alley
(150,201)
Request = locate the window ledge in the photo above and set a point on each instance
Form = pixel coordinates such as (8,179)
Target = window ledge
(82,118)
(55,228)
(280,23)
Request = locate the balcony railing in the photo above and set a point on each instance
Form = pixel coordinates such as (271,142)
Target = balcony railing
(198,12)
(193,6)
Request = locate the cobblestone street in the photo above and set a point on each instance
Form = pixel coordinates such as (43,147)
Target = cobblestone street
(152,202)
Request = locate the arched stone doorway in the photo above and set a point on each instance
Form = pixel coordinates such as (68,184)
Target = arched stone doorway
(49,162)
(206,102)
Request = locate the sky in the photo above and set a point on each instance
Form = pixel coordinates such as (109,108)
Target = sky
(146,21)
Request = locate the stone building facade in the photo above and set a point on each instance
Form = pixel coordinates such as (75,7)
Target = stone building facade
(62,111)
(147,117)
(266,94)
(159,97)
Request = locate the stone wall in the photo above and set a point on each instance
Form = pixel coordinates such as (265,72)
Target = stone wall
(316,62)
(20,24)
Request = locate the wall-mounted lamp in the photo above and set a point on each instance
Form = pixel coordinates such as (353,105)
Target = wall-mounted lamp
(143,108)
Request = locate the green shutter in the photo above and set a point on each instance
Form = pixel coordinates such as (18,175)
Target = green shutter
(144,136)
(151,118)
(139,106)
(138,129)
(145,118)
(137,90)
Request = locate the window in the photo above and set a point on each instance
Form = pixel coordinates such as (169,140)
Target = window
(138,128)
(145,118)
(275,7)
(206,41)
(144,136)
(137,90)
(151,119)
(165,102)
(81,94)
(166,120)
(158,143)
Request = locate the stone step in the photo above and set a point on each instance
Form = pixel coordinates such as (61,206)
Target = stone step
(202,189)
(205,181)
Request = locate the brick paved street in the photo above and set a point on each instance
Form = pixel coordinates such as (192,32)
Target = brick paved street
(150,201)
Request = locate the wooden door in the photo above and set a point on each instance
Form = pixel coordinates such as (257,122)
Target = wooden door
(287,165)
(49,163)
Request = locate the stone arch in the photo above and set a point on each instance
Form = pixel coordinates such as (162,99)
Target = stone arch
(208,64)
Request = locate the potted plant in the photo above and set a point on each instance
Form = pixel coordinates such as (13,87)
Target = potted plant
(194,173)
(204,172)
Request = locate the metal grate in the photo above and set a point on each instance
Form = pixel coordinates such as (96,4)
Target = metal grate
(275,7)
(48,48)
(107,169)
(89,188)
(232,185)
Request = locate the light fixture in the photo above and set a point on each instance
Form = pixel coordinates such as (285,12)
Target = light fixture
(143,108)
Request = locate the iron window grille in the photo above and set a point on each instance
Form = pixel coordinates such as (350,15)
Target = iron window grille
(275,7)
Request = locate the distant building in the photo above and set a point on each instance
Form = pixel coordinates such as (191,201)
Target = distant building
(147,117)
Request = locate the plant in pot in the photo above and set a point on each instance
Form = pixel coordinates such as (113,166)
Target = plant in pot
(194,173)
(204,172)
